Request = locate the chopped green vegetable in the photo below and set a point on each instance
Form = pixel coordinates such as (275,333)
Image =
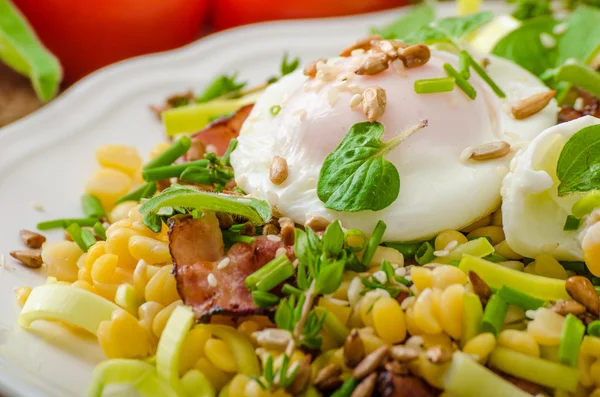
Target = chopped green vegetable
(571,223)
(264,299)
(482,73)
(194,383)
(373,243)
(281,272)
(408,250)
(521,299)
(479,247)
(65,222)
(172,153)
(435,85)
(144,191)
(464,67)
(471,318)
(495,258)
(287,66)
(594,328)
(199,175)
(346,389)
(528,9)
(230,148)
(92,207)
(152,222)
(585,205)
(463,84)
(570,340)
(21,50)
(220,86)
(171,171)
(100,230)
(578,166)
(494,315)
(424,254)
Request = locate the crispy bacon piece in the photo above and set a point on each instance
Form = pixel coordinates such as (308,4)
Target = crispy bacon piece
(218,134)
(393,385)
(197,249)
(591,106)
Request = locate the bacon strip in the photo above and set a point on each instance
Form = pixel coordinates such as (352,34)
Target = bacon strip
(393,385)
(197,249)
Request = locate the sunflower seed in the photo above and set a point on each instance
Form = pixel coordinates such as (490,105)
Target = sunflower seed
(30,258)
(581,289)
(373,64)
(374,103)
(279,170)
(363,44)
(371,362)
(532,105)
(415,56)
(490,151)
(354,349)
(32,239)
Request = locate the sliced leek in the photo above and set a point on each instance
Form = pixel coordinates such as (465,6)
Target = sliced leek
(66,303)
(195,384)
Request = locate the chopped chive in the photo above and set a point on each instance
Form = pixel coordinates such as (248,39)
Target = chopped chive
(202,176)
(402,280)
(346,389)
(373,243)
(424,254)
(232,145)
(253,279)
(264,299)
(100,230)
(463,84)
(65,222)
(495,258)
(463,64)
(88,239)
(355,240)
(274,110)
(172,153)
(279,274)
(387,268)
(571,223)
(289,289)
(521,299)
(570,340)
(594,328)
(145,191)
(92,207)
(435,85)
(170,171)
(494,315)
(237,238)
(74,231)
(408,250)
(482,73)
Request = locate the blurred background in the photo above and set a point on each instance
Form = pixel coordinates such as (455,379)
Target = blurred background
(86,35)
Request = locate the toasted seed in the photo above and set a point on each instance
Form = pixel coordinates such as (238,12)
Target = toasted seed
(439,354)
(371,362)
(272,338)
(365,43)
(323,379)
(587,318)
(288,230)
(225,220)
(374,102)
(564,307)
(398,368)
(269,229)
(310,69)
(402,353)
(32,239)
(366,387)
(490,151)
(279,170)
(30,258)
(480,287)
(302,378)
(248,229)
(581,289)
(354,349)
(532,105)
(317,223)
(356,100)
(388,48)
(415,56)
(373,64)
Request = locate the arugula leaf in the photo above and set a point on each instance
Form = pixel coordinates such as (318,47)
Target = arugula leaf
(578,167)
(412,21)
(451,30)
(220,86)
(580,75)
(581,41)
(524,46)
(356,176)
(527,9)
(256,211)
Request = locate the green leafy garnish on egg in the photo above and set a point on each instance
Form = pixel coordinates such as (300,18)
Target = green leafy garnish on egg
(578,167)
(418,17)
(356,176)
(453,29)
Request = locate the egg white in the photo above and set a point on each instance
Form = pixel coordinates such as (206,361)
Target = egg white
(438,189)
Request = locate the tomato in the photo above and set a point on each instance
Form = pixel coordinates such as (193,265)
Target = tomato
(230,13)
(88,34)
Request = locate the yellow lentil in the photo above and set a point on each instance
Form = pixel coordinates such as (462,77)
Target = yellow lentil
(503,249)
(445,275)
(121,211)
(388,321)
(120,157)
(161,318)
(217,378)
(108,185)
(123,337)
(481,346)
(519,341)
(104,269)
(193,348)
(591,249)
(546,327)
(422,277)
(547,266)
(61,258)
(446,237)
(162,287)
(118,244)
(451,310)
(496,233)
(485,221)
(424,313)
(150,250)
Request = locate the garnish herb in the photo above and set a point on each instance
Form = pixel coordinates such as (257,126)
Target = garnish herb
(494,315)
(220,86)
(285,68)
(100,230)
(274,110)
(355,240)
(435,85)
(452,30)
(528,9)
(424,254)
(578,167)
(171,171)
(594,328)
(65,222)
(391,285)
(144,191)
(570,341)
(356,176)
(420,16)
(264,299)
(463,84)
(82,237)
(92,207)
(465,56)
(571,223)
(579,75)
(172,153)
(581,41)
(373,243)
(227,156)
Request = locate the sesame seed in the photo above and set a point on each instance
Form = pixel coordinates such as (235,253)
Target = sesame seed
(451,245)
(399,67)
(441,253)
(332,96)
(578,105)
(2,260)
(211,149)
(280,251)
(560,28)
(295,263)
(401,272)
(339,302)
(273,237)
(224,263)
(380,276)
(356,100)
(530,314)
(466,154)
(212,280)
(547,40)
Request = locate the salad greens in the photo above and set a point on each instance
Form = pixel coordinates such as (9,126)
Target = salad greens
(222,85)
(581,41)
(452,29)
(527,9)
(578,167)
(412,21)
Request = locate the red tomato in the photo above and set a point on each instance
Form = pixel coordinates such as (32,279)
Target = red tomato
(230,13)
(88,34)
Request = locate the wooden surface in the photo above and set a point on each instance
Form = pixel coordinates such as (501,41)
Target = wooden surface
(17,98)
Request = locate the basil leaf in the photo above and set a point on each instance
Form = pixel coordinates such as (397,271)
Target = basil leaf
(256,211)
(452,29)
(581,41)
(581,76)
(524,46)
(578,167)
(355,176)
(412,21)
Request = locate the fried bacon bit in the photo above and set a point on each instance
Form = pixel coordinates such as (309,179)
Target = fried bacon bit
(217,134)
(197,249)
(392,385)
(172,102)
(363,44)
(590,105)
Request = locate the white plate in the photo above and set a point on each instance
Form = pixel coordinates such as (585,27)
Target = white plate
(47,157)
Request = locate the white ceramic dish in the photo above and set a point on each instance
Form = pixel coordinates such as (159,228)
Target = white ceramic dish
(46,158)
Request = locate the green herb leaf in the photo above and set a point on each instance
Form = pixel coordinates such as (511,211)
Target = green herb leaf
(356,176)
(571,223)
(524,46)
(330,278)
(527,9)
(256,211)
(454,29)
(418,17)
(288,67)
(581,41)
(221,85)
(578,167)
(333,239)
(21,50)
(581,76)
(152,222)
